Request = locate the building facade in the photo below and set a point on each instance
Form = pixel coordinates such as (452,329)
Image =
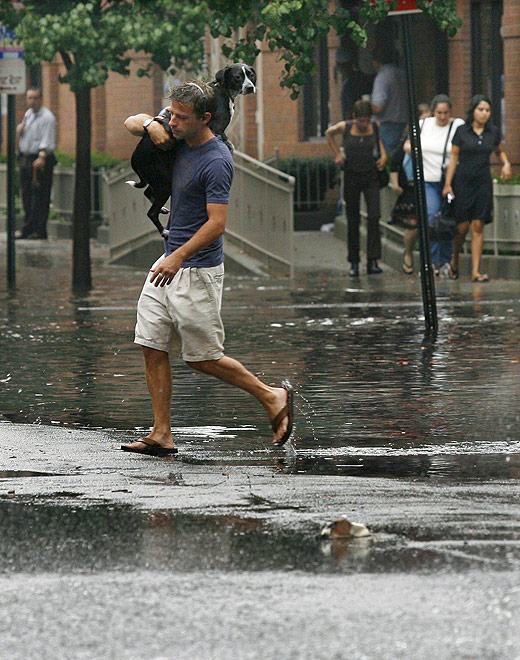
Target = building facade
(481,58)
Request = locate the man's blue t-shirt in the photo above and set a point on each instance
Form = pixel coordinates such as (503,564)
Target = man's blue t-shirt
(201,175)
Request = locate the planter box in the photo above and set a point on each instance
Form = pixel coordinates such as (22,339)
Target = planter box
(505,229)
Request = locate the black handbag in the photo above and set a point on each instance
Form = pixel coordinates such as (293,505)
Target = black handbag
(442,226)
(382,175)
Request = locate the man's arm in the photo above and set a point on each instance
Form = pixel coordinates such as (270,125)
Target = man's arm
(212,229)
(158,134)
(379,96)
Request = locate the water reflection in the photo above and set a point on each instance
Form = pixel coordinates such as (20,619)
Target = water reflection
(355,356)
(40,537)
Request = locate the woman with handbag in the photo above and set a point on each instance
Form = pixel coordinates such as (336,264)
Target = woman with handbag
(468,178)
(363,158)
(437,133)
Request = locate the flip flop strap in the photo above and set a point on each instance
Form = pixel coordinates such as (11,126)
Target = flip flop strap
(284,412)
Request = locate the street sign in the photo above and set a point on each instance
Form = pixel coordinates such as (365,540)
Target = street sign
(12,70)
(402,7)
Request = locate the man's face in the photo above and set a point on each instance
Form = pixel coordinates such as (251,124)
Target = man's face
(34,100)
(184,122)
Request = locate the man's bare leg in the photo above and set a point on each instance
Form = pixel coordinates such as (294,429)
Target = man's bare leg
(159,381)
(233,372)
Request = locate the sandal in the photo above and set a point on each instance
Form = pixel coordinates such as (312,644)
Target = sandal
(453,274)
(149,449)
(407,269)
(480,278)
(286,411)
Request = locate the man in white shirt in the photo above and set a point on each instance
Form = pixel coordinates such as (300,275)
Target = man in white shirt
(36,136)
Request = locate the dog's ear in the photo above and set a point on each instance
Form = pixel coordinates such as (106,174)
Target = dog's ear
(219,76)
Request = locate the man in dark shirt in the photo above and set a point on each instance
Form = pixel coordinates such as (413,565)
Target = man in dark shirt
(179,306)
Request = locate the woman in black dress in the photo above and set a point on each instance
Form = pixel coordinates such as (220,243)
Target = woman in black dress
(362,156)
(468,178)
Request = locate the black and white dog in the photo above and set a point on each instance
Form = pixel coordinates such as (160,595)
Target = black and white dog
(154,165)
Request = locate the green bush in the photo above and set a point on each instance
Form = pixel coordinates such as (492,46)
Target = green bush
(99,161)
(514,180)
(313,177)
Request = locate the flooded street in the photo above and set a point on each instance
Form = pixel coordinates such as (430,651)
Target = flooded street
(419,441)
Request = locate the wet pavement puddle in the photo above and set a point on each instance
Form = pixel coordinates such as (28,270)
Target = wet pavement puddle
(15,474)
(40,537)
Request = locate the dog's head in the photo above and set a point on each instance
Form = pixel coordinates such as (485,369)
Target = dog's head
(237,79)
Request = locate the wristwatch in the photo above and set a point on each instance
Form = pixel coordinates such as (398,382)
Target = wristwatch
(147,123)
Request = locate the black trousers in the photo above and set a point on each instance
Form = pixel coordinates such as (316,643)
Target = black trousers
(36,194)
(368,184)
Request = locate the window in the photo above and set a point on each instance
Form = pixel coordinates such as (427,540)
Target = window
(487,54)
(316,96)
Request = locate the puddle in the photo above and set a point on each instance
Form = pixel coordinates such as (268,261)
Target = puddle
(15,474)
(455,468)
(40,537)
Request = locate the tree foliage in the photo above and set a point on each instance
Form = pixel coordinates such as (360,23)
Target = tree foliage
(293,27)
(94,37)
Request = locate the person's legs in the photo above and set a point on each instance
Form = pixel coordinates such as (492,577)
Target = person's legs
(273,399)
(409,239)
(159,381)
(391,133)
(477,245)
(458,242)
(352,195)
(42,199)
(433,205)
(26,194)
(372,199)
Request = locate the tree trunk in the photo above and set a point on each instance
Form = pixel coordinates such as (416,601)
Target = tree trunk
(81,276)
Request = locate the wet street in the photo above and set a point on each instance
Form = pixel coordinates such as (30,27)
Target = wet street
(216,553)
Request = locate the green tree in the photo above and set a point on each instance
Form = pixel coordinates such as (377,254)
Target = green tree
(91,39)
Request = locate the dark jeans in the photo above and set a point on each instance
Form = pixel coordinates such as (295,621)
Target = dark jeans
(36,194)
(368,184)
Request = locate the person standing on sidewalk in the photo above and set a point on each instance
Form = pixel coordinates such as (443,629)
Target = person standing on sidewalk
(468,178)
(389,96)
(179,306)
(362,155)
(36,136)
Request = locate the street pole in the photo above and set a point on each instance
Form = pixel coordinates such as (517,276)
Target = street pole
(11,213)
(427,278)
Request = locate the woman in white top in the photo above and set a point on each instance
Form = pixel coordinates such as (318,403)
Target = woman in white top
(437,133)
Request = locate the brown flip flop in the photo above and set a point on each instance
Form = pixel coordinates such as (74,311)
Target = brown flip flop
(150,449)
(286,411)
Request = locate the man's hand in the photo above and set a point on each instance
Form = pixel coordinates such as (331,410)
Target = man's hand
(159,135)
(38,164)
(380,163)
(164,272)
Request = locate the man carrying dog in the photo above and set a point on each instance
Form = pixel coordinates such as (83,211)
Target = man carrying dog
(181,298)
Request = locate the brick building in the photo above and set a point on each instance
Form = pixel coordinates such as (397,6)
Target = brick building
(482,58)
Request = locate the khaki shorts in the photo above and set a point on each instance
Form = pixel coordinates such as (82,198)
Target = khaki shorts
(183,317)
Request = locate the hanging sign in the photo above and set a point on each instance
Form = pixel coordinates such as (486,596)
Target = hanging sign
(402,7)
(12,70)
